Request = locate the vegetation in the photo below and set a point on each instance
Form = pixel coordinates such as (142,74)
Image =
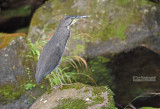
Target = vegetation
(64,69)
(29,86)
(34,51)
(9,93)
(111,103)
(99,71)
(65,74)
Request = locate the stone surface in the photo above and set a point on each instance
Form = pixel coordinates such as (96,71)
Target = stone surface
(73,95)
(11,64)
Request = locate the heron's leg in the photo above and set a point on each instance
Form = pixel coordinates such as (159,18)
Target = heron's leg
(58,76)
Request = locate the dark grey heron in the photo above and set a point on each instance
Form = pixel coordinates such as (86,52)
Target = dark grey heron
(52,52)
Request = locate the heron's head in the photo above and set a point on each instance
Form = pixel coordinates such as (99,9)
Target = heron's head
(70,20)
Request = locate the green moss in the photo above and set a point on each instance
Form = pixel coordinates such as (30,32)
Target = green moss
(100,71)
(98,90)
(29,56)
(103,108)
(79,49)
(103,59)
(86,90)
(75,86)
(9,93)
(146,2)
(97,100)
(122,2)
(158,34)
(111,103)
(49,91)
(110,27)
(72,104)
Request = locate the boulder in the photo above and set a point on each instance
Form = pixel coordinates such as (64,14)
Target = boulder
(76,96)
(113,27)
(11,64)
(17,70)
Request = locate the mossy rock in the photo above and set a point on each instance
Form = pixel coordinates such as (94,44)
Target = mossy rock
(17,70)
(11,68)
(76,96)
(114,26)
(121,14)
(11,46)
(10,93)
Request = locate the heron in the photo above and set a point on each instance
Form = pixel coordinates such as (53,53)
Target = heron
(52,52)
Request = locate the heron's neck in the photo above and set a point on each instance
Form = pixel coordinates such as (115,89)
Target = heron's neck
(63,32)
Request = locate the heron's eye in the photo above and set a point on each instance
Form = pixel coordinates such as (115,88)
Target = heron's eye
(72,18)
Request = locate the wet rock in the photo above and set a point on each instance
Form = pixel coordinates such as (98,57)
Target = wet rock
(71,96)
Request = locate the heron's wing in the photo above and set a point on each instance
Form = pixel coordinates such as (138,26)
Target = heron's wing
(53,60)
(48,61)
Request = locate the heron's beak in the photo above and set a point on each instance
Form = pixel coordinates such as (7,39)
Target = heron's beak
(78,18)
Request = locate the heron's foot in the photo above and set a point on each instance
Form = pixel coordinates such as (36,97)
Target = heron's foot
(65,84)
(60,86)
